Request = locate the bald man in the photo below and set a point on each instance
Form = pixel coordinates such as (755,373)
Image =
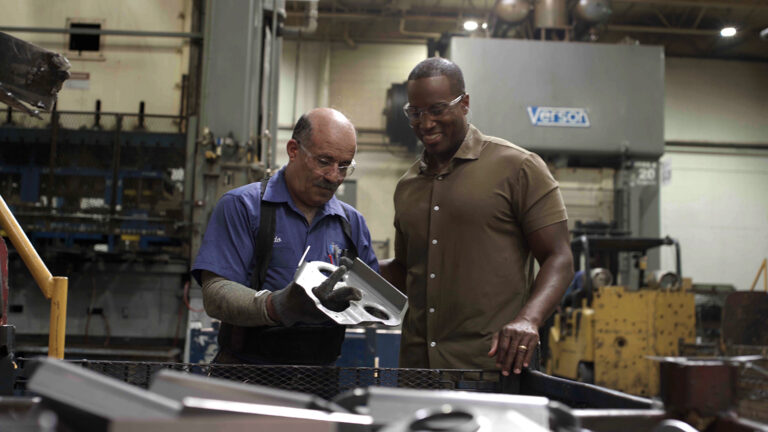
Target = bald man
(256,236)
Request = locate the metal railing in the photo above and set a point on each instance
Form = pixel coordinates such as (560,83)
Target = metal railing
(54,288)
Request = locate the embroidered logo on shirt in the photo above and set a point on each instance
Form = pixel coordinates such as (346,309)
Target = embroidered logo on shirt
(278,239)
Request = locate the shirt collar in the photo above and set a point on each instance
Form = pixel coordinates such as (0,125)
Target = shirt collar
(277,192)
(469,149)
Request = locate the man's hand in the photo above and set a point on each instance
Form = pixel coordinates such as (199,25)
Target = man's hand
(337,300)
(514,344)
(292,305)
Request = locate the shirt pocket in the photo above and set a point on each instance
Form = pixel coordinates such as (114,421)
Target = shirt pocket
(284,256)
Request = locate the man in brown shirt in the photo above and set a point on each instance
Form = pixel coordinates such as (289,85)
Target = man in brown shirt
(470,217)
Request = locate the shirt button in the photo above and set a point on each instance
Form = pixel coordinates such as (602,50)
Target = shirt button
(434,241)
(431,275)
(431,310)
(436,208)
(433,344)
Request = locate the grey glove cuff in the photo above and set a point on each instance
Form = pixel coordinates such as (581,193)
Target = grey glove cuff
(234,303)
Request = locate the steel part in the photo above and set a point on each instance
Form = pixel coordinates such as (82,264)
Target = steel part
(194,406)
(30,74)
(625,420)
(179,385)
(84,398)
(381,302)
(459,418)
(387,405)
(228,422)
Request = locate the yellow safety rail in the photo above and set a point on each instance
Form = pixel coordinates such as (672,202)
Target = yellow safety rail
(54,287)
(764,270)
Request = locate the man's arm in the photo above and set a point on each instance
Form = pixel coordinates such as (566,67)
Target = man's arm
(234,303)
(394,272)
(514,344)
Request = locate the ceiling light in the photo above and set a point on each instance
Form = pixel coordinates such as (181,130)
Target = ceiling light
(470,25)
(728,32)
(484,26)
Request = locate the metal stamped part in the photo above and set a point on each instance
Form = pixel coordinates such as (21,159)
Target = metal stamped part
(380,303)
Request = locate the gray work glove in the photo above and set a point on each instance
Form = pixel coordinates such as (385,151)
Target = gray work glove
(293,305)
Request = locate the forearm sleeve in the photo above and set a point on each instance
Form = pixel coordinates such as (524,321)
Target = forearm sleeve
(235,303)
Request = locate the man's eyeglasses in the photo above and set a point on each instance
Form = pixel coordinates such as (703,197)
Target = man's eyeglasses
(326,164)
(436,110)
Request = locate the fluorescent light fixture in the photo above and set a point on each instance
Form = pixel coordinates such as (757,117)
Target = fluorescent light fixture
(470,25)
(728,32)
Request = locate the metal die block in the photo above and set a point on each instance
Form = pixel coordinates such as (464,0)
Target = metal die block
(706,386)
(380,302)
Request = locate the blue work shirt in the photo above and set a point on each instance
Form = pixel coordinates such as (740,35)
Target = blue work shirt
(229,244)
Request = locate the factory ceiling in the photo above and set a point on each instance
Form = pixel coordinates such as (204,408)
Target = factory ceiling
(686,28)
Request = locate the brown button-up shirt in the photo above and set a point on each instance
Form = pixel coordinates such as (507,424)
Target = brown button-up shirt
(461,235)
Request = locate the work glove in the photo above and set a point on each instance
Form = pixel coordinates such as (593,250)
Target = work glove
(293,305)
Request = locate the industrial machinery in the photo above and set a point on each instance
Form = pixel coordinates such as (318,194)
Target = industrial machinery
(603,333)
(119,200)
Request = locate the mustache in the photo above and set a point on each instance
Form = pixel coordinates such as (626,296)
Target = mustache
(330,186)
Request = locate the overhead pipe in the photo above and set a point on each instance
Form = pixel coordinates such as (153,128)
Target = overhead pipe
(666,30)
(87,31)
(699,4)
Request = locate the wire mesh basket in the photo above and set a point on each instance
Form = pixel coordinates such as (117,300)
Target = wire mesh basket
(323,381)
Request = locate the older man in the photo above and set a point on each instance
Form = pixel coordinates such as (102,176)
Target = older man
(470,215)
(256,236)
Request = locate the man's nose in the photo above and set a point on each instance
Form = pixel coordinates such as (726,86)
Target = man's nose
(333,174)
(426,122)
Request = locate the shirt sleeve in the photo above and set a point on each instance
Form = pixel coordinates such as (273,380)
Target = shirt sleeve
(541,203)
(228,245)
(363,241)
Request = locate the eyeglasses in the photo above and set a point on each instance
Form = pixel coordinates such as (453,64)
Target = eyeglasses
(326,164)
(436,110)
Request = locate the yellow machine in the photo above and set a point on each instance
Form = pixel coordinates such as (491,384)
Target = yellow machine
(603,334)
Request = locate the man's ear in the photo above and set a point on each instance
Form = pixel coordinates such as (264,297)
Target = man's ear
(292,148)
(465,103)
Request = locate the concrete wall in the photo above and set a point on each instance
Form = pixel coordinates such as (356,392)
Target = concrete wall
(714,201)
(716,101)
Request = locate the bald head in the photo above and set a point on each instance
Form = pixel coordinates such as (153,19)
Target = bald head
(321,119)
